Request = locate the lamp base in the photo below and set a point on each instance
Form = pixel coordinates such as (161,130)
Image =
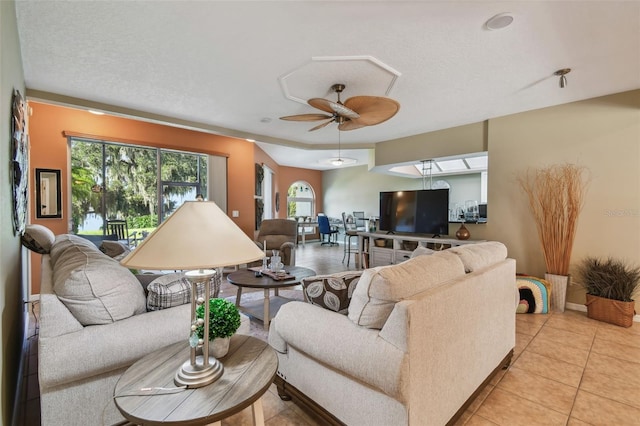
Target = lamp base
(197,376)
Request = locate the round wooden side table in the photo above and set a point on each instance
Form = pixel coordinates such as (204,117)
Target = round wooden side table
(147,395)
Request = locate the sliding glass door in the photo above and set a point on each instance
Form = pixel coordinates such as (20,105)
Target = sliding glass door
(139,184)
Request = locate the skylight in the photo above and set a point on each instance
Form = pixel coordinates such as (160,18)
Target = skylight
(472,163)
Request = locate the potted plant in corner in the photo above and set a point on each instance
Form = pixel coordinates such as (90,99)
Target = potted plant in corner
(556,195)
(224,321)
(610,285)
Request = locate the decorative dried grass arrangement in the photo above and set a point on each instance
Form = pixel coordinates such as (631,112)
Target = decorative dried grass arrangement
(556,196)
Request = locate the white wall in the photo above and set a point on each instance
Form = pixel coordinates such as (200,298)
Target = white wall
(13,287)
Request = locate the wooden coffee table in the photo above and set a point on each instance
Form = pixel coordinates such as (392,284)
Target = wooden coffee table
(266,309)
(249,369)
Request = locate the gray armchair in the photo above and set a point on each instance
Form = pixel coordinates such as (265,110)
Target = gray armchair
(279,234)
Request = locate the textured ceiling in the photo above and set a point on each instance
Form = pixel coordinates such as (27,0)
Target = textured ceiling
(234,67)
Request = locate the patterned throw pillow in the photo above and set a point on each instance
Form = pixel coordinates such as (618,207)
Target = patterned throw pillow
(174,289)
(333,291)
(114,249)
(38,238)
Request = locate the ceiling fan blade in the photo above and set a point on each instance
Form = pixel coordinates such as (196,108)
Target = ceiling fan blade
(373,109)
(333,107)
(351,125)
(321,104)
(320,126)
(306,117)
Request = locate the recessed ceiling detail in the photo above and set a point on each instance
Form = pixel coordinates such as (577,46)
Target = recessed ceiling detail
(361,74)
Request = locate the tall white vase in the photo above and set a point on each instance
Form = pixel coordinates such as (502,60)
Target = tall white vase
(559,285)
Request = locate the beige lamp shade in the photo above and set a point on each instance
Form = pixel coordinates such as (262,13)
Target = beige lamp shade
(198,235)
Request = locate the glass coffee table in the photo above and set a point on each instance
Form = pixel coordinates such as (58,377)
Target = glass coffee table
(266,308)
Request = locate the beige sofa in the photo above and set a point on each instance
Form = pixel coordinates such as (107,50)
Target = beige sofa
(419,339)
(94,325)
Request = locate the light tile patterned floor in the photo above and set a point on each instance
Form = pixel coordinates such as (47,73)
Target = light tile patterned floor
(567,370)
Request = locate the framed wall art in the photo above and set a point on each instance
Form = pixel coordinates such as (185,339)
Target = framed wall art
(19,162)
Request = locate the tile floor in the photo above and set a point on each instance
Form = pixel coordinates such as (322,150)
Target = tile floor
(567,370)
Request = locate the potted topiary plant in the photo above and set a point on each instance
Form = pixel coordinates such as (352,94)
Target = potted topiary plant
(224,321)
(610,285)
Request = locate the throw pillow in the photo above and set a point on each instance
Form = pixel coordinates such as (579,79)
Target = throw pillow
(480,255)
(114,249)
(167,291)
(333,291)
(420,251)
(382,287)
(94,287)
(38,238)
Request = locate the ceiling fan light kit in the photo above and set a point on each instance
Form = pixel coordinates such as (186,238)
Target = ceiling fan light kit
(354,113)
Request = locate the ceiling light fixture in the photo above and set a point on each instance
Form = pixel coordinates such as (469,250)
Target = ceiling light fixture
(499,21)
(93,111)
(563,79)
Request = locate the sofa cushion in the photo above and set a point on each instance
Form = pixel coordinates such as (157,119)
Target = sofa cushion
(94,287)
(380,288)
(38,238)
(170,290)
(333,291)
(480,255)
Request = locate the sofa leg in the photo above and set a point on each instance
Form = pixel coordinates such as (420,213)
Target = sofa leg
(507,360)
(279,382)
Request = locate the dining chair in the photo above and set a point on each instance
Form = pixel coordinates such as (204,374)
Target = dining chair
(350,231)
(359,219)
(325,228)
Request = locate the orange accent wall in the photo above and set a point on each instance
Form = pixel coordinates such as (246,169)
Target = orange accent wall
(49,149)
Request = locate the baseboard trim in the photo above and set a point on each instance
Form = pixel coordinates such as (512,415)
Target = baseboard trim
(583,308)
(22,367)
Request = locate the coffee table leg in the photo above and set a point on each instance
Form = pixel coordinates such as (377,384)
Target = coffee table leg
(238,296)
(258,413)
(266,312)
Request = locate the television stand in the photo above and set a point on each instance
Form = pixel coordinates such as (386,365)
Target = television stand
(382,248)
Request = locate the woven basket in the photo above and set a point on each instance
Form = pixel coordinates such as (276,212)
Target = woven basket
(610,310)
(380,242)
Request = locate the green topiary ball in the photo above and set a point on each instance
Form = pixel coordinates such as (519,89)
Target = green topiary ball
(224,319)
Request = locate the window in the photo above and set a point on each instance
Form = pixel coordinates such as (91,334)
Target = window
(140,184)
(267,190)
(301,200)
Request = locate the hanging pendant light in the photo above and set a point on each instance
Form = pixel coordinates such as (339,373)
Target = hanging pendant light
(427,169)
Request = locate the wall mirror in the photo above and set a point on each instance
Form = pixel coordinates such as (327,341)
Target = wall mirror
(48,194)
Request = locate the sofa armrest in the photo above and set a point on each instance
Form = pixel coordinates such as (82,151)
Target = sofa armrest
(96,349)
(334,340)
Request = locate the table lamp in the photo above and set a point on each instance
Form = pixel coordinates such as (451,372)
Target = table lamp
(197,237)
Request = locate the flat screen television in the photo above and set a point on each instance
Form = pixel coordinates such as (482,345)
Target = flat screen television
(418,211)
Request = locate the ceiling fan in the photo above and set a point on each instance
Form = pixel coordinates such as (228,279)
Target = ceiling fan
(354,113)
